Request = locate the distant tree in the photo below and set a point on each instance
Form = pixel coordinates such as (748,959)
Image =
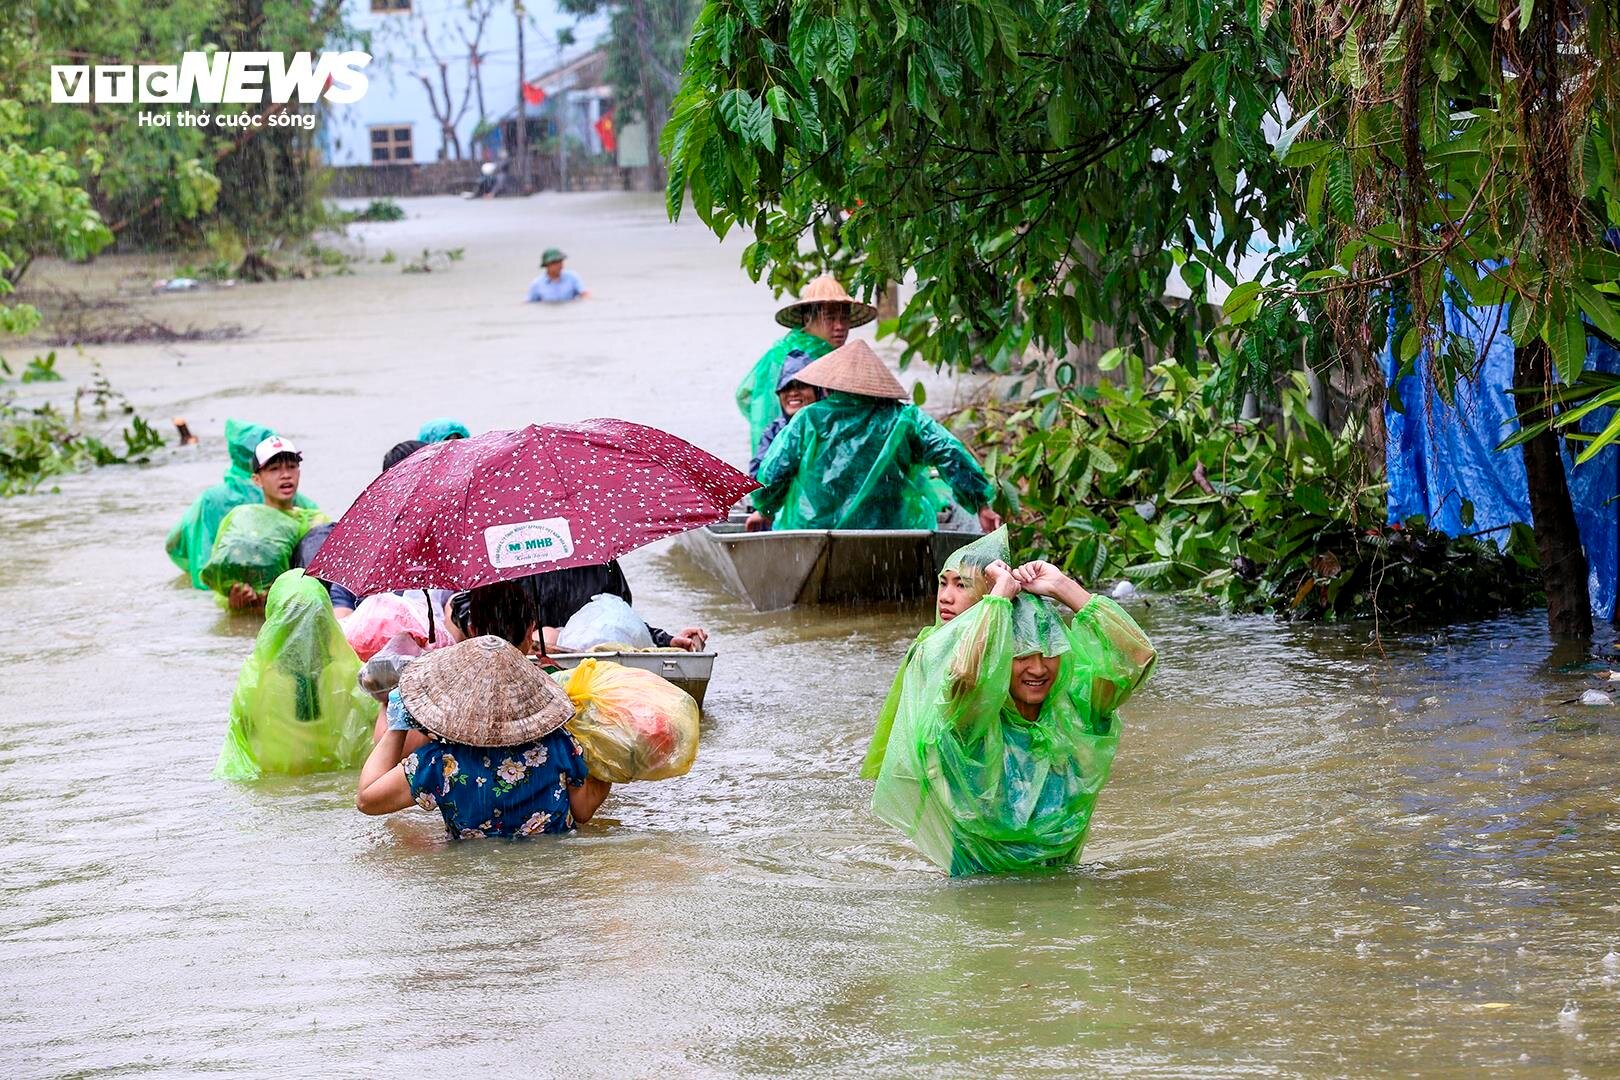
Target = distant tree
(450,105)
(646,44)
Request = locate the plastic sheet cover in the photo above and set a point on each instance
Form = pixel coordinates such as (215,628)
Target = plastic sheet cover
(1438,455)
(298,706)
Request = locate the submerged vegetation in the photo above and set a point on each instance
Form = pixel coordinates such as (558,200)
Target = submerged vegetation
(40,442)
(1154,479)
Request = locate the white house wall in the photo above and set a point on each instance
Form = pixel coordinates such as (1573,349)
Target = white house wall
(396,97)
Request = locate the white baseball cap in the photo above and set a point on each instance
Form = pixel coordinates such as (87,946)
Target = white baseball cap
(273,447)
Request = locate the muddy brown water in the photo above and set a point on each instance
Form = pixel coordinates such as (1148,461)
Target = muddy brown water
(1313,859)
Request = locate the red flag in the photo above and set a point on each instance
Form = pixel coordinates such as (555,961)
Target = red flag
(604,128)
(533,94)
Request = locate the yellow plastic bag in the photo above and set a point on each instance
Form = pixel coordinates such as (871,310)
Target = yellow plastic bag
(632,724)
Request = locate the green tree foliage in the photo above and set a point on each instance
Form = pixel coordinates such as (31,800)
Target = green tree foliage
(1460,151)
(44,210)
(1041,166)
(162,185)
(1144,480)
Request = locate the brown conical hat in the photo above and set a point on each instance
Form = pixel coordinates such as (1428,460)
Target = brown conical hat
(825,290)
(483,692)
(855,369)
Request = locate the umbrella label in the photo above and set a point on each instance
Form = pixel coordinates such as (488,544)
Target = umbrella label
(525,543)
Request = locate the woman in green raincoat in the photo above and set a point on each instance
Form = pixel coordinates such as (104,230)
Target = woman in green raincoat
(817,322)
(860,457)
(192,540)
(298,706)
(1008,723)
(962,584)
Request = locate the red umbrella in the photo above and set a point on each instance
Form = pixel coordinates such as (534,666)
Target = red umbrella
(506,504)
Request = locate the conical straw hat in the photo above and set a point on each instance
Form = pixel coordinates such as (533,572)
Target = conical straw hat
(483,692)
(855,369)
(825,290)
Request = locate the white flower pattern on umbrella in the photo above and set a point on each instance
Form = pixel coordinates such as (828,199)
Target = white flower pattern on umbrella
(618,485)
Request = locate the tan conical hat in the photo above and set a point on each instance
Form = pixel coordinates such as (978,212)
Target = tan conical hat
(825,290)
(855,369)
(483,692)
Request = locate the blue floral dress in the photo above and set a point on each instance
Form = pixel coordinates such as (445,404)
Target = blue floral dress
(498,791)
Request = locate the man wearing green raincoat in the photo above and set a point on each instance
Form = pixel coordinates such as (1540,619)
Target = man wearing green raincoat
(817,323)
(1008,724)
(191,541)
(298,706)
(860,457)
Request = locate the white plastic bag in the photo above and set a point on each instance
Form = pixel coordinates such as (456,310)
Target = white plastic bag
(381,673)
(606,620)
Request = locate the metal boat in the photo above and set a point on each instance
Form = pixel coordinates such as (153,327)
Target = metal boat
(780,568)
(689,671)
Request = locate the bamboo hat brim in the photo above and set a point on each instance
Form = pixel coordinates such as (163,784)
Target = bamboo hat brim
(825,290)
(483,692)
(855,369)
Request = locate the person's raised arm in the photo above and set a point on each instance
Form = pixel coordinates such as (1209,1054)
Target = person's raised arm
(958,468)
(383,787)
(781,464)
(1044,579)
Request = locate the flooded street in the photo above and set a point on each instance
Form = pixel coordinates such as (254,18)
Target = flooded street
(1312,859)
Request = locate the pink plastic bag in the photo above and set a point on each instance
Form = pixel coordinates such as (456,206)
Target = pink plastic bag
(379,618)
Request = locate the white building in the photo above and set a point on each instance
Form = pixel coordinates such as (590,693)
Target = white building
(399,119)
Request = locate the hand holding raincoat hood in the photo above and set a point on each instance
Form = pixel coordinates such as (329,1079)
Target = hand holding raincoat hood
(298,706)
(192,539)
(855,462)
(975,785)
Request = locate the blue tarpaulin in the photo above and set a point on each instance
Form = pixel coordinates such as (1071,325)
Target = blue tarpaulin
(1439,455)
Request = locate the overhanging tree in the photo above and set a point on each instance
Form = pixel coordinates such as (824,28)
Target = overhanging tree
(1467,153)
(1042,167)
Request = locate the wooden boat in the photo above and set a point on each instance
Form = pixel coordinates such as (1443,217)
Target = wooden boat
(779,568)
(689,671)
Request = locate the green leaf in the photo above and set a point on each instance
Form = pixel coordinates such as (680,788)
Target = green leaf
(1599,309)
(1242,303)
(780,106)
(1286,140)
(736,109)
(1315,193)
(1411,343)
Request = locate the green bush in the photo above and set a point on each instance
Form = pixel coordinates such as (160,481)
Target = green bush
(1155,481)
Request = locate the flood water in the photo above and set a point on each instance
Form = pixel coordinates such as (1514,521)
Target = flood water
(1314,858)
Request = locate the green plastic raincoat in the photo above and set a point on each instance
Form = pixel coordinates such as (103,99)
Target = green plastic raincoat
(192,539)
(967,562)
(854,462)
(255,546)
(976,786)
(756,394)
(298,706)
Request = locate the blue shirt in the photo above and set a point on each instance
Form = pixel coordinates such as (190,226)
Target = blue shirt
(542,290)
(498,790)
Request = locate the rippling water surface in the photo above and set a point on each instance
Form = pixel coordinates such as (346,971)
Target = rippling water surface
(1315,856)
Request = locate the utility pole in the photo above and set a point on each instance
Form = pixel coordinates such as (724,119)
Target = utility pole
(562,121)
(523,109)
